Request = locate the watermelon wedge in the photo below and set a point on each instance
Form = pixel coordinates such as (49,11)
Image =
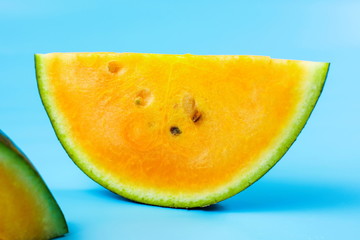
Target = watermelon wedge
(177,130)
(27,208)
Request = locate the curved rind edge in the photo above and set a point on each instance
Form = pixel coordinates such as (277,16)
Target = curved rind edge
(18,158)
(319,77)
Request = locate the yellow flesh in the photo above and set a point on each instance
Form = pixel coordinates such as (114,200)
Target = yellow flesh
(27,209)
(119,109)
(23,212)
(24,217)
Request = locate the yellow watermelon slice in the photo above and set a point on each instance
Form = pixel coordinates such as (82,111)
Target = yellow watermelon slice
(176,130)
(28,211)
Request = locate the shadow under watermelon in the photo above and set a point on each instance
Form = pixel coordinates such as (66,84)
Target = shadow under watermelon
(285,195)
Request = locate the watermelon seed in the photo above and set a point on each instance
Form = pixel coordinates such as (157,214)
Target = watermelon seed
(143,98)
(175,131)
(196,117)
(138,101)
(114,66)
(189,106)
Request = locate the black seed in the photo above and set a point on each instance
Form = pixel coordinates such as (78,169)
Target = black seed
(175,131)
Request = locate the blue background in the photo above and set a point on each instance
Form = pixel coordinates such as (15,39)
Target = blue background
(313,193)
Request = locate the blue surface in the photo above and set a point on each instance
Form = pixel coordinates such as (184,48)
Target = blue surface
(314,191)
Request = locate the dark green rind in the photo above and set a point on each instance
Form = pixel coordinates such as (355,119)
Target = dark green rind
(319,80)
(12,156)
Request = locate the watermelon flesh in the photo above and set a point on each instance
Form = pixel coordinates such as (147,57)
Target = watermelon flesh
(177,130)
(27,208)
